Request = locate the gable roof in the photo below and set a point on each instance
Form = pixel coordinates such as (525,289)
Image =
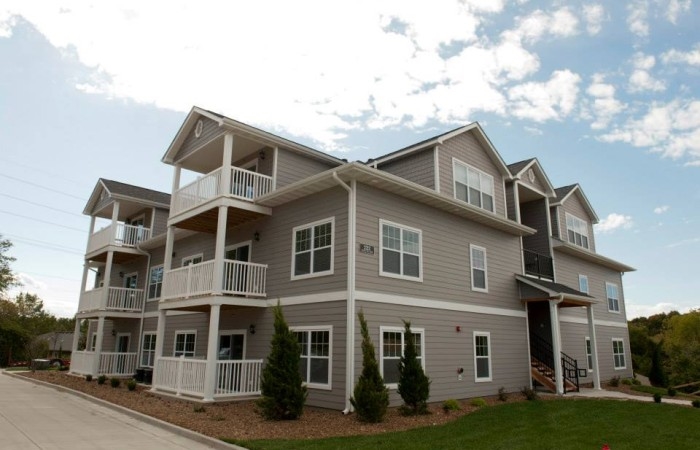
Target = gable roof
(563,193)
(123,191)
(570,296)
(439,139)
(518,168)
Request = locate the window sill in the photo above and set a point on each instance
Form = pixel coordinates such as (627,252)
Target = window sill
(311,275)
(323,387)
(401,277)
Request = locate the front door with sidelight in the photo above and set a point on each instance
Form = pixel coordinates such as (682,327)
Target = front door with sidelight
(231,348)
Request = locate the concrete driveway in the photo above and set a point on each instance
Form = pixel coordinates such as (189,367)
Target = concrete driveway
(39,417)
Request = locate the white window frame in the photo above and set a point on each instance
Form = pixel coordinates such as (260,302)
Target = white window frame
(401,252)
(191,258)
(589,353)
(579,227)
(615,300)
(488,357)
(581,280)
(312,250)
(179,332)
(93,341)
(130,275)
(144,351)
(401,330)
(239,332)
(483,177)
(472,248)
(150,283)
(309,329)
(618,354)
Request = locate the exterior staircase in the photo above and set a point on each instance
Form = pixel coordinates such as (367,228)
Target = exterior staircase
(542,366)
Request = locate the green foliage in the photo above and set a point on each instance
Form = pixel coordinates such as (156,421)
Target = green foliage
(450,405)
(696,403)
(657,398)
(131,385)
(682,346)
(529,393)
(88,378)
(657,375)
(627,382)
(370,396)
(199,409)
(283,394)
(502,395)
(614,381)
(7,277)
(414,384)
(101,379)
(636,382)
(671,392)
(115,382)
(478,402)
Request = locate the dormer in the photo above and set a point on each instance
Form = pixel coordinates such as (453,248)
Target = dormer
(573,217)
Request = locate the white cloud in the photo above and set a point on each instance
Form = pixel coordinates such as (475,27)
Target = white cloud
(550,100)
(538,24)
(692,57)
(533,131)
(603,106)
(638,16)
(661,209)
(7,22)
(674,8)
(684,243)
(614,222)
(634,310)
(641,79)
(30,284)
(594,15)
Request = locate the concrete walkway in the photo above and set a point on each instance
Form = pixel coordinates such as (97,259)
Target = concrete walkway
(601,393)
(39,417)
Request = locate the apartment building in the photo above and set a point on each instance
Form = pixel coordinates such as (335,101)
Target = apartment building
(495,268)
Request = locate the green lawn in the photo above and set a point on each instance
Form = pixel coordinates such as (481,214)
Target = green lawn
(663,392)
(556,424)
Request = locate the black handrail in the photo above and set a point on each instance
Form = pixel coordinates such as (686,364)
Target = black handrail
(538,264)
(543,354)
(569,367)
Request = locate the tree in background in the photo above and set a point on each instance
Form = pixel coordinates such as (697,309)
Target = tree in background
(657,375)
(414,384)
(370,396)
(682,347)
(7,277)
(283,393)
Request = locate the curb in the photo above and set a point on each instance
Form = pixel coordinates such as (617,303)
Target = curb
(175,429)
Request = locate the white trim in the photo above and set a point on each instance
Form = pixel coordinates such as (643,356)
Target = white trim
(178,332)
(488,342)
(394,329)
(251,163)
(169,313)
(582,277)
(141,349)
(624,353)
(329,329)
(311,225)
(589,356)
(148,285)
(617,299)
(249,243)
(585,223)
(116,341)
(129,275)
(602,323)
(231,333)
(455,162)
(485,289)
(436,168)
(191,257)
(275,155)
(400,276)
(93,341)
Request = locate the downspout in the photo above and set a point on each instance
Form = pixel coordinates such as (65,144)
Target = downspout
(350,312)
(145,300)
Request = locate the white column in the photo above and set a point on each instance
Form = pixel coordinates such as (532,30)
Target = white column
(169,243)
(219,251)
(92,230)
(556,344)
(226,164)
(177,170)
(76,336)
(594,347)
(275,154)
(212,353)
(115,220)
(160,338)
(107,278)
(86,268)
(98,345)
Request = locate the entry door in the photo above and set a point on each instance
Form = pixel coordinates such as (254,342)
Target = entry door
(121,347)
(231,347)
(236,275)
(131,280)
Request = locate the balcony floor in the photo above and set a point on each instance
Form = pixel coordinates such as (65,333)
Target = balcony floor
(206,220)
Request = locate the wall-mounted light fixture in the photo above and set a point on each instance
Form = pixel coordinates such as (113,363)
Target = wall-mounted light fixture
(256,236)
(458,328)
(261,154)
(251,328)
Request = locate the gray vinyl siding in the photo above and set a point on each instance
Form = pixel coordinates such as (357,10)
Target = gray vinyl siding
(157,256)
(200,243)
(537,184)
(417,167)
(292,167)
(102,204)
(554,217)
(137,265)
(534,215)
(567,270)
(199,323)
(131,326)
(467,149)
(210,131)
(510,201)
(445,253)
(447,350)
(573,205)
(573,344)
(160,222)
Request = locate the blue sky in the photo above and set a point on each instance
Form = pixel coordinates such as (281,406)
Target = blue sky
(606,94)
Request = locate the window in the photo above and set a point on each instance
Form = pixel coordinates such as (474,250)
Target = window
(589,354)
(148,349)
(184,343)
(482,356)
(313,249)
(316,350)
(155,282)
(577,230)
(619,354)
(613,297)
(190,260)
(93,342)
(479,273)
(392,344)
(400,255)
(583,283)
(473,186)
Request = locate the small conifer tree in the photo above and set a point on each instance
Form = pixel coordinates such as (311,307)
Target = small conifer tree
(283,394)
(414,384)
(370,397)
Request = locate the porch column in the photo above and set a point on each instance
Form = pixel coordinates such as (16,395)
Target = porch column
(169,242)
(219,252)
(160,338)
(86,268)
(226,164)
(556,344)
(76,337)
(107,279)
(274,167)
(92,230)
(98,345)
(177,169)
(115,220)
(594,347)
(212,353)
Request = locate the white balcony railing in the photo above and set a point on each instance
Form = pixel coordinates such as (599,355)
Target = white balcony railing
(245,185)
(239,278)
(120,235)
(118,299)
(82,362)
(111,363)
(186,376)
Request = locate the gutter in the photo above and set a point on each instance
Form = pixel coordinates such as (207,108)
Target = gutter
(350,311)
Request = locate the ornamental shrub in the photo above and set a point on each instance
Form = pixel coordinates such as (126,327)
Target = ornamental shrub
(115,382)
(131,385)
(502,395)
(479,402)
(657,397)
(370,396)
(450,405)
(88,377)
(529,393)
(414,384)
(101,379)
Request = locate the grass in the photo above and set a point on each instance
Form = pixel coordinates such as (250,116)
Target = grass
(556,424)
(662,391)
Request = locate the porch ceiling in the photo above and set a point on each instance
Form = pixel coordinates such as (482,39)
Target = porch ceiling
(206,222)
(117,258)
(537,290)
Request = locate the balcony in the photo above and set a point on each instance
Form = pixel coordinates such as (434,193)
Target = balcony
(239,278)
(245,185)
(538,265)
(110,363)
(117,299)
(119,235)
